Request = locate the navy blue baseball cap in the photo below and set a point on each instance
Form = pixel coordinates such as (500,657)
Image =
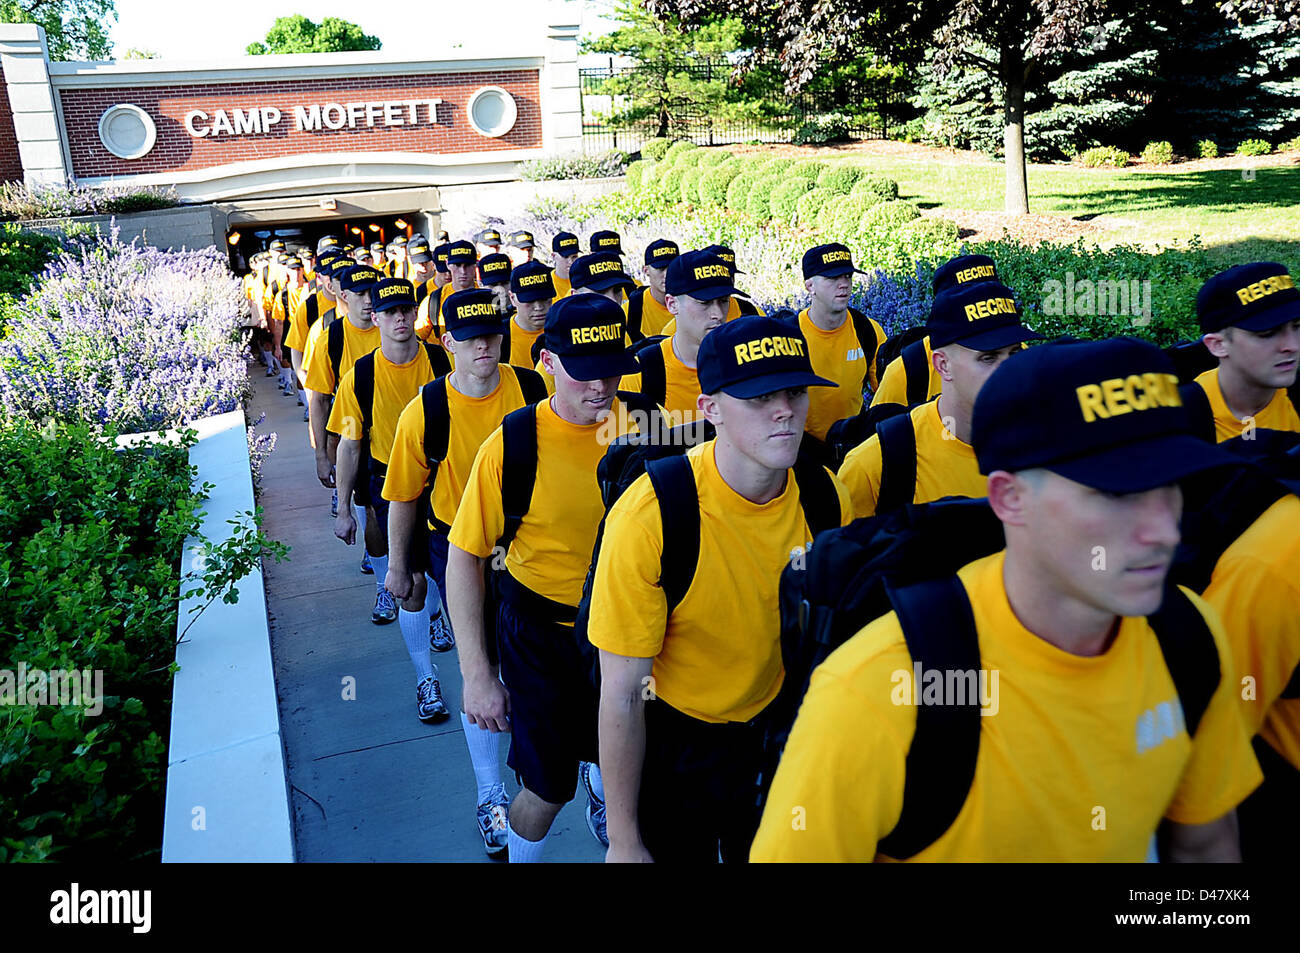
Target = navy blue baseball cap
(443,236)
(726,254)
(390,293)
(982,316)
(606,241)
(494,269)
(661,252)
(531,281)
(472,313)
(830,261)
(700,275)
(418,251)
(964,270)
(462,253)
(440,254)
(755,355)
(1258,296)
(358,279)
(599,273)
(586,333)
(565,244)
(488,236)
(327,241)
(1107,414)
(522,239)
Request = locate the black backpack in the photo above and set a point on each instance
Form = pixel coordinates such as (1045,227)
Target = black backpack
(437,420)
(635,312)
(1191,359)
(363,378)
(654,373)
(905,561)
(844,435)
(662,455)
(894,346)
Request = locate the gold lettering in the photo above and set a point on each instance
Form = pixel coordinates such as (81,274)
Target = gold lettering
(1090,402)
(712,271)
(742,353)
(765,347)
(1114,391)
(1131,385)
(971,314)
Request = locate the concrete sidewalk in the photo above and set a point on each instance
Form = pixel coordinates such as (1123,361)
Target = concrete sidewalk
(368,780)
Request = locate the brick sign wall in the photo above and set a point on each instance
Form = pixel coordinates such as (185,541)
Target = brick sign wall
(11,164)
(373,130)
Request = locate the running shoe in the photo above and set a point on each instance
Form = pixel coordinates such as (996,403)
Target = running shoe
(428,702)
(367,568)
(440,637)
(494,820)
(595,806)
(385,610)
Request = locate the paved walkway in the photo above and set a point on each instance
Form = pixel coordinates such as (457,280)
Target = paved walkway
(369,780)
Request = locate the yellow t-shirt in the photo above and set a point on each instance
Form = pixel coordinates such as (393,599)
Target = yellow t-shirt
(893,383)
(521,346)
(1256,588)
(1280,414)
(552,550)
(653,314)
(298,328)
(562,286)
(472,420)
(682,388)
(395,386)
(945,466)
(320,373)
(719,657)
(1072,737)
(838,356)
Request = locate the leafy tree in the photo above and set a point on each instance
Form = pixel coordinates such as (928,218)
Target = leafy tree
(134,53)
(297,34)
(74,29)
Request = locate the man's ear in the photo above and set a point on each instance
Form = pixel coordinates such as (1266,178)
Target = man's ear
(1216,343)
(670,302)
(941,361)
(710,407)
(548,361)
(1008,497)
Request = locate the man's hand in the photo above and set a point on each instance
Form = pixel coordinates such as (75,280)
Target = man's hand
(325,471)
(398,582)
(486,703)
(345,526)
(628,854)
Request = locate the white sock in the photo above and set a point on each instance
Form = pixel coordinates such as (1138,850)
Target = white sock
(484,754)
(381,572)
(524,851)
(415,633)
(597,783)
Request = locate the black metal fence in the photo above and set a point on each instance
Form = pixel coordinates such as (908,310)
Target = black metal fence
(871,107)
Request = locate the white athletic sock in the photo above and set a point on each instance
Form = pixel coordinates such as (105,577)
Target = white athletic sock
(484,754)
(524,851)
(381,572)
(597,783)
(415,633)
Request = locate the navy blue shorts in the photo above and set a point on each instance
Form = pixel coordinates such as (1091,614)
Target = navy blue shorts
(553,704)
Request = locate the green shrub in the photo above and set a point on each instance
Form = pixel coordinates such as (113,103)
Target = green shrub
(759,202)
(778,165)
(786,196)
(577,166)
(690,186)
(668,186)
(22,255)
(634,172)
(654,149)
(1099,156)
(678,147)
(930,237)
(1290,145)
(738,190)
(882,188)
(1254,147)
(843,215)
(833,127)
(1207,149)
(840,179)
(714,157)
(808,208)
(686,158)
(1158,152)
(807,169)
(889,215)
(713,185)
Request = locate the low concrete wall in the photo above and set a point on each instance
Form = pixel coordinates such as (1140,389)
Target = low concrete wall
(465,206)
(187,226)
(227,794)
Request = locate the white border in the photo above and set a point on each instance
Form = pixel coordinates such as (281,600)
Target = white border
(150,130)
(508,120)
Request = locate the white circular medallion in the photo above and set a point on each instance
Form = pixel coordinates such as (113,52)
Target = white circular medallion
(127,131)
(492,111)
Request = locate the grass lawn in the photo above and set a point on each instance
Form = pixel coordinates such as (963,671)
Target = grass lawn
(1237,218)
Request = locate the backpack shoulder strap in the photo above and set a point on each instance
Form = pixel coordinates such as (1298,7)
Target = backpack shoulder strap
(635,312)
(1199,411)
(654,375)
(867,340)
(746,306)
(679,511)
(518,469)
(531,385)
(817,495)
(437,423)
(535,352)
(313,309)
(1190,652)
(916,372)
(939,627)
(438,359)
(363,377)
(897,462)
(335,345)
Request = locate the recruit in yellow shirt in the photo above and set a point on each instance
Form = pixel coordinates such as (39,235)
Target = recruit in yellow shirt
(552,550)
(718,658)
(682,389)
(655,315)
(320,373)
(395,386)
(733,312)
(1256,589)
(299,328)
(521,345)
(838,356)
(428,322)
(945,466)
(1280,414)
(562,286)
(471,421)
(1070,743)
(893,383)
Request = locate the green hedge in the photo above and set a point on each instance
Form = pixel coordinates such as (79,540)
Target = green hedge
(93,542)
(785,197)
(882,187)
(714,157)
(715,182)
(654,149)
(690,185)
(890,215)
(840,178)
(23,255)
(759,202)
(808,169)
(809,206)
(635,170)
(738,191)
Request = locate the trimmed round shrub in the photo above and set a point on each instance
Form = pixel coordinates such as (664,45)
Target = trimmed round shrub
(786,195)
(930,236)
(843,214)
(714,157)
(1158,152)
(775,166)
(635,171)
(678,147)
(687,158)
(713,184)
(669,185)
(889,215)
(1099,156)
(884,189)
(840,179)
(1207,149)
(759,202)
(690,185)
(808,208)
(654,149)
(1254,147)
(807,169)
(738,191)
